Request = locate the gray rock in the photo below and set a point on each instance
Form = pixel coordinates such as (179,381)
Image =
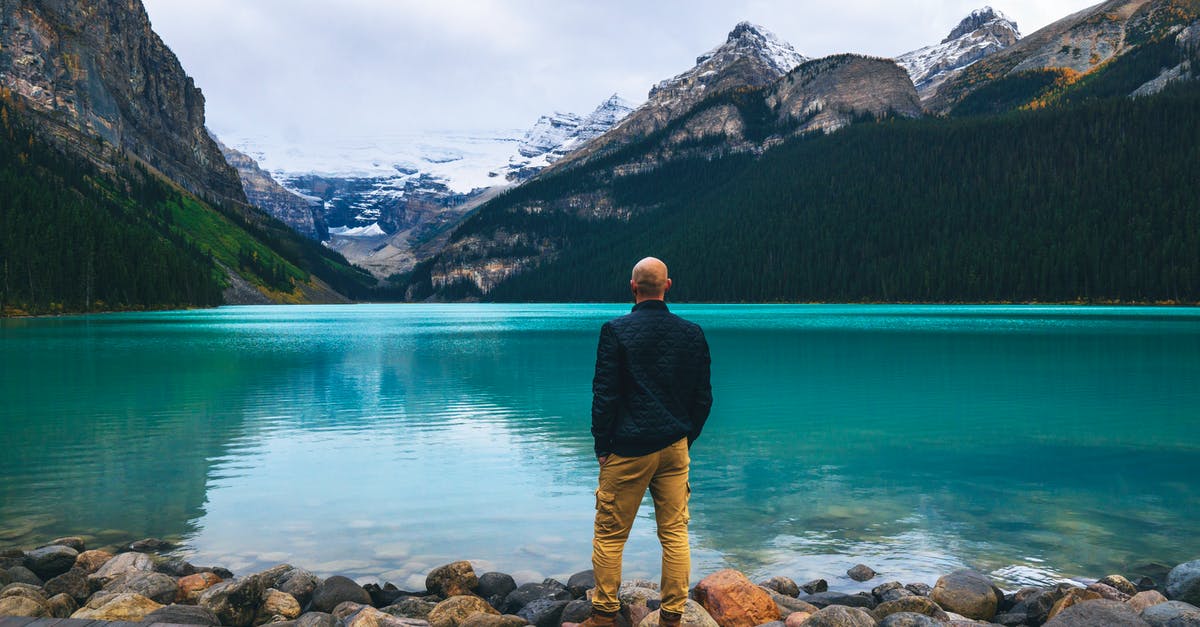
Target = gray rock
(75,542)
(123,564)
(1035,603)
(1097,612)
(890,591)
(157,587)
(861,572)
(527,593)
(182,615)
(919,589)
(5,578)
(1172,614)
(826,599)
(910,604)
(176,568)
(815,586)
(411,607)
(787,604)
(150,545)
(581,582)
(577,611)
(968,593)
(271,576)
(336,590)
(74,582)
(840,616)
(299,583)
(782,585)
(494,587)
(1009,619)
(61,605)
(316,619)
(1183,583)
(345,609)
(234,602)
(543,612)
(20,574)
(452,579)
(909,619)
(694,615)
(51,561)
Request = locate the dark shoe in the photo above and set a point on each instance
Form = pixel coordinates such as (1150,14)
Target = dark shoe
(669,619)
(599,619)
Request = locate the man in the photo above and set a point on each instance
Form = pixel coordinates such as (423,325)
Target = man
(650,398)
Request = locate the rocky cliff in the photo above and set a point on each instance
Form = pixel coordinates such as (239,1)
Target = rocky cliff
(305,215)
(827,94)
(96,69)
(984,32)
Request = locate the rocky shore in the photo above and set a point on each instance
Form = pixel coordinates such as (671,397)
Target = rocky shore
(138,584)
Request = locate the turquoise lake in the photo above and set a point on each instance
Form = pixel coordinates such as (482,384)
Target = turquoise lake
(380,441)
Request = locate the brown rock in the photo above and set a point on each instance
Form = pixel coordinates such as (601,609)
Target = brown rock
(61,605)
(694,615)
(1108,592)
(966,592)
(277,606)
(368,616)
(126,606)
(75,542)
(23,606)
(913,604)
(796,619)
(25,590)
(456,609)
(91,561)
(453,579)
(1143,600)
(192,586)
(861,572)
(1120,583)
(734,601)
(1078,595)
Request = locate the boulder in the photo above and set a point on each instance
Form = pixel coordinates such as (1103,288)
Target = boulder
(192,586)
(494,587)
(493,620)
(1145,599)
(182,615)
(316,619)
(527,593)
(367,616)
(277,606)
(912,604)
(1172,614)
(825,599)
(154,586)
(1120,583)
(840,616)
(580,583)
(75,542)
(150,545)
(890,591)
(966,592)
(1097,612)
(861,572)
(782,585)
(815,586)
(454,610)
(61,605)
(73,582)
(123,564)
(734,601)
(124,606)
(457,578)
(336,590)
(299,583)
(50,561)
(543,612)
(919,589)
(788,605)
(1183,583)
(1073,597)
(694,615)
(23,606)
(1108,592)
(91,561)
(234,602)
(910,619)
(175,568)
(20,574)
(577,611)
(411,607)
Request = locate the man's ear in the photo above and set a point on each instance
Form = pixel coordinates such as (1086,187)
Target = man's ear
(668,286)
(633,286)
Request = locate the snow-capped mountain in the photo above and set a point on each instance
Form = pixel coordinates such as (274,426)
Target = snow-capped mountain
(985,31)
(554,136)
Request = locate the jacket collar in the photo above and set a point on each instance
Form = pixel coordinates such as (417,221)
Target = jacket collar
(650,304)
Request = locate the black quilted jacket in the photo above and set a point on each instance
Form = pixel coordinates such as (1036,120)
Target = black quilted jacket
(652,382)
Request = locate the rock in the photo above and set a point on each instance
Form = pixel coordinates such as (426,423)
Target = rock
(124,606)
(637,601)
(911,604)
(1009,619)
(277,606)
(966,592)
(825,599)
(4,578)
(840,616)
(223,573)
(176,568)
(796,619)
(316,619)
(1120,583)
(788,605)
(91,561)
(61,605)
(919,589)
(580,583)
(346,609)
(1035,603)
(527,593)
(73,582)
(454,610)
(1145,599)
(909,619)
(494,587)
(75,542)
(1172,614)
(25,590)
(734,601)
(493,620)
(23,606)
(411,607)
(1097,612)
(182,615)
(1108,592)
(123,564)
(1183,583)
(192,586)
(861,572)
(299,583)
(51,561)
(20,574)
(150,545)
(694,615)
(234,602)
(367,616)
(338,589)
(385,596)
(543,612)
(1073,597)
(782,585)
(577,611)
(453,579)
(815,586)
(154,586)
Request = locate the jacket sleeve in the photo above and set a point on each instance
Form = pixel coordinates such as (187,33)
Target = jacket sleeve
(605,390)
(702,397)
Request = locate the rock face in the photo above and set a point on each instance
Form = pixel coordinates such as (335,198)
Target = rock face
(734,601)
(828,93)
(966,592)
(97,68)
(305,215)
(1183,583)
(982,33)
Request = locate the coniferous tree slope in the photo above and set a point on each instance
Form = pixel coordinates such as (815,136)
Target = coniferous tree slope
(1095,202)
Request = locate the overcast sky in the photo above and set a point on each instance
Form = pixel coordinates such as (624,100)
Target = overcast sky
(288,69)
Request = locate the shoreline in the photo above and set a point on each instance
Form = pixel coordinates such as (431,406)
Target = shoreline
(142,581)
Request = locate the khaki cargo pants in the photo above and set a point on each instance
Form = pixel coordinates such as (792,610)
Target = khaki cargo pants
(623,483)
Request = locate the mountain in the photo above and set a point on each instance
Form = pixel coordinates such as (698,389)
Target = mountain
(985,31)
(554,136)
(305,215)
(97,69)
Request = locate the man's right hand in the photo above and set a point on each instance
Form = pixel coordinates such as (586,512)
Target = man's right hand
(602,459)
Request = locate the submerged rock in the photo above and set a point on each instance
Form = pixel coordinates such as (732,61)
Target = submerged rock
(861,572)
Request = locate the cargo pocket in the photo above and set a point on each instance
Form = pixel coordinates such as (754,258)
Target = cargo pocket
(687,501)
(606,514)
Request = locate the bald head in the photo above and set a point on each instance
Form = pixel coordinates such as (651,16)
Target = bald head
(650,280)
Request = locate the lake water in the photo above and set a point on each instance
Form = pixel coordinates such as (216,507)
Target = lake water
(1034,443)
